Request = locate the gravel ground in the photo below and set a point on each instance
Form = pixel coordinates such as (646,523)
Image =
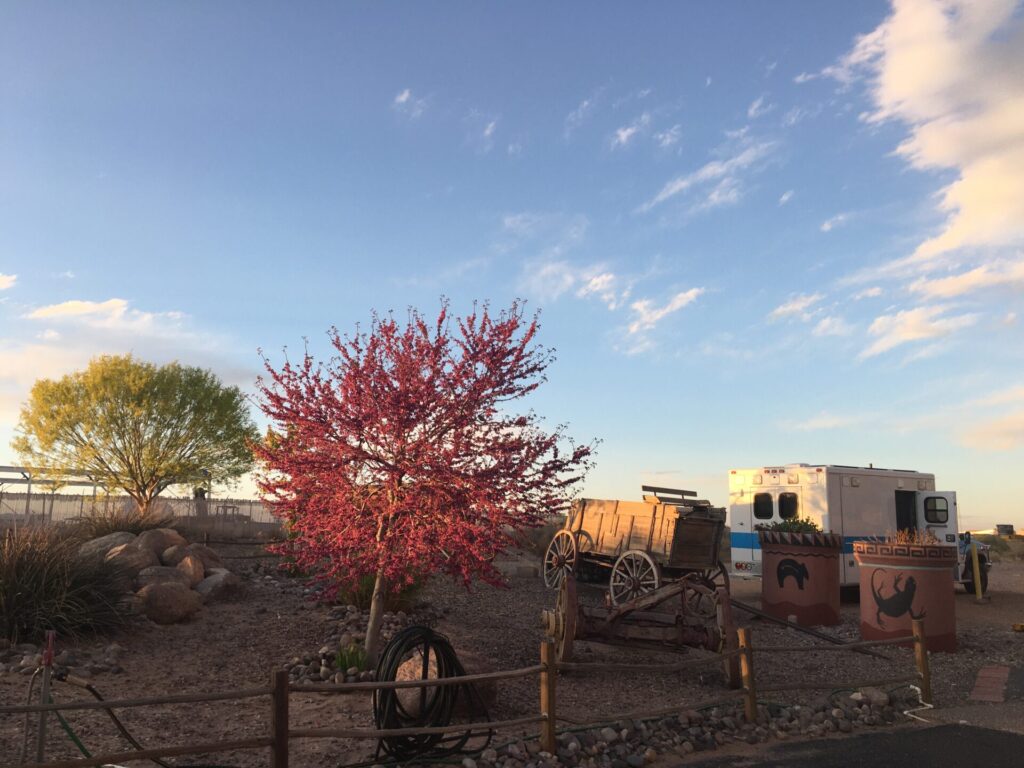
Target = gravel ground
(236,644)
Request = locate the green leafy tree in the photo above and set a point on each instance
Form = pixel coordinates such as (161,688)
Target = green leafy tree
(136,426)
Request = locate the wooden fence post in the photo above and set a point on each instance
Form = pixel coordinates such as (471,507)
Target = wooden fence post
(747,675)
(921,660)
(279,719)
(548,677)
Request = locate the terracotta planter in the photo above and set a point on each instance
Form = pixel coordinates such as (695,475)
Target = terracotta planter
(902,582)
(800,576)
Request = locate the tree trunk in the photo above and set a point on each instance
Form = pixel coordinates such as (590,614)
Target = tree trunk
(376,616)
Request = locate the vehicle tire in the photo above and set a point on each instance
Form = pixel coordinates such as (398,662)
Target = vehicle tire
(969,576)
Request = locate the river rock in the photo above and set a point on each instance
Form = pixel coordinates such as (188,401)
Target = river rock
(168,602)
(160,539)
(218,585)
(193,568)
(132,558)
(98,548)
(161,574)
(174,555)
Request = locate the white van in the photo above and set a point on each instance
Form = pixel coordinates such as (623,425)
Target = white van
(854,502)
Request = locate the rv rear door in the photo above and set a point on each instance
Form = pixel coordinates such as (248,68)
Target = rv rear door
(936,512)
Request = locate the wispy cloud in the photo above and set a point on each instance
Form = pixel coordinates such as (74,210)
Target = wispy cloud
(912,325)
(582,113)
(759,107)
(838,220)
(868,293)
(823,421)
(786,196)
(407,104)
(712,171)
(832,326)
(797,306)
(624,135)
(669,137)
(114,314)
(995,274)
(7,281)
(647,315)
(1004,433)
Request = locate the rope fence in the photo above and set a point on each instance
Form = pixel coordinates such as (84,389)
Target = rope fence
(280,690)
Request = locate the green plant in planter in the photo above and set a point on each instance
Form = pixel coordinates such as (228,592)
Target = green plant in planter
(796,525)
(352,656)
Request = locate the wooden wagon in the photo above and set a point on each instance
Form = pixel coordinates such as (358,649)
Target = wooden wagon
(639,545)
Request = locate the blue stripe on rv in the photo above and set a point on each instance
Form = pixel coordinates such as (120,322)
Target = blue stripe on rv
(750,541)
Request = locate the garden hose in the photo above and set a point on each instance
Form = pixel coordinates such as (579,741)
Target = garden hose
(437,704)
(77,681)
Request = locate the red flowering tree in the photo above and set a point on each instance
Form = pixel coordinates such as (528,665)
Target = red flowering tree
(402,456)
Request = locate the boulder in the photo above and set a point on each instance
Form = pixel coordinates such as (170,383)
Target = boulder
(131,558)
(159,539)
(218,585)
(98,548)
(168,602)
(209,558)
(161,574)
(174,555)
(485,692)
(193,569)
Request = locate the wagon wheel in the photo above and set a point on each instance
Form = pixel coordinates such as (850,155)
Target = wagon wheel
(567,608)
(716,577)
(701,600)
(560,557)
(634,574)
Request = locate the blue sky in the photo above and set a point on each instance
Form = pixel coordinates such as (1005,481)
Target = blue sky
(757,232)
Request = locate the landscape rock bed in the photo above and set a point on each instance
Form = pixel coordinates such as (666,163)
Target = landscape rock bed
(272,619)
(635,743)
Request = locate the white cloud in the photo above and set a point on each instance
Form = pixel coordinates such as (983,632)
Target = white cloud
(1006,396)
(407,104)
(582,113)
(489,129)
(515,148)
(805,77)
(48,335)
(995,274)
(669,137)
(823,421)
(832,326)
(796,307)
(786,196)
(646,315)
(623,136)
(919,324)
(797,115)
(607,286)
(1004,433)
(712,171)
(829,224)
(7,281)
(759,107)
(727,191)
(868,293)
(953,73)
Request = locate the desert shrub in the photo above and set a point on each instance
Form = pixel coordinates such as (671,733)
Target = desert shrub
(400,599)
(354,655)
(45,585)
(121,517)
(916,537)
(796,525)
(1000,548)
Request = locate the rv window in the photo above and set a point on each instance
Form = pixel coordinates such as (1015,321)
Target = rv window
(936,509)
(763,506)
(788,506)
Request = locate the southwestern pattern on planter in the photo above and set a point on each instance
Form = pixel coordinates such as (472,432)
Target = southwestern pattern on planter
(800,576)
(903,582)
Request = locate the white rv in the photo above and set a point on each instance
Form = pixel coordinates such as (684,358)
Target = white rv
(854,502)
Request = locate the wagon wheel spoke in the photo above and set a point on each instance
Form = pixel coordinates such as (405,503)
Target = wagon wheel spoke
(559,557)
(634,574)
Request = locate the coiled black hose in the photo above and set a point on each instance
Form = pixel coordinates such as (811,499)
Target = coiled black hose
(436,704)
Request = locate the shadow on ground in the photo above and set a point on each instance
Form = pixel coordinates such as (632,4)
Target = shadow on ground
(956,745)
